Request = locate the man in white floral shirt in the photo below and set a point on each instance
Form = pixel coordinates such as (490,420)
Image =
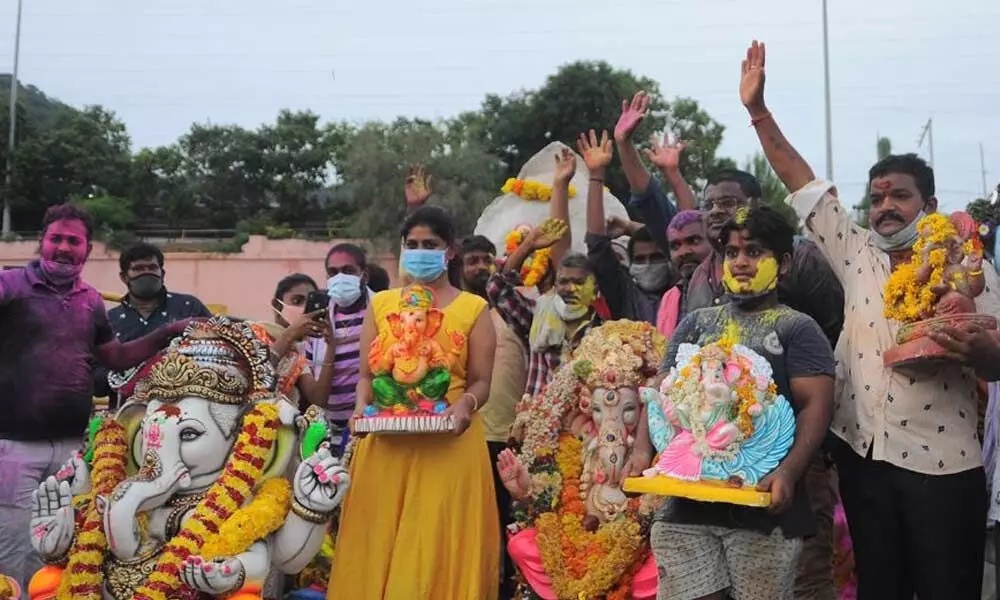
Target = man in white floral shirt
(906,445)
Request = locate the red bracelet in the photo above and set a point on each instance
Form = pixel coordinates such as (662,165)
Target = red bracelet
(754,121)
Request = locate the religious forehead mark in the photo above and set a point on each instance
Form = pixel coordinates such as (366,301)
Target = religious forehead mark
(883,185)
(170,410)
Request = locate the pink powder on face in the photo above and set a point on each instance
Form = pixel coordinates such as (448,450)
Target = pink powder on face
(66,240)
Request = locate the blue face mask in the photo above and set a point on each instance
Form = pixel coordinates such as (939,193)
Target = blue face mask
(423,266)
(344,289)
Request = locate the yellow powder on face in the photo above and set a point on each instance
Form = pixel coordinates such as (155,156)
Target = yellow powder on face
(765,280)
(586,292)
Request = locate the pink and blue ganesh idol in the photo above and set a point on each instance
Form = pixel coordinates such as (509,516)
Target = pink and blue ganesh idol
(718,417)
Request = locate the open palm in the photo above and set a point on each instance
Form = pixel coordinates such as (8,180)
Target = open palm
(752,77)
(666,155)
(596,153)
(548,233)
(632,115)
(418,186)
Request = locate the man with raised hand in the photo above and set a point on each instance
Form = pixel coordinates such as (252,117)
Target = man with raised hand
(906,445)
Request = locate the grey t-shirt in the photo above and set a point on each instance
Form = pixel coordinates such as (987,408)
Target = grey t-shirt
(795,346)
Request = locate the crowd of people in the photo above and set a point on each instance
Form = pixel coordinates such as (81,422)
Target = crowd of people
(426,516)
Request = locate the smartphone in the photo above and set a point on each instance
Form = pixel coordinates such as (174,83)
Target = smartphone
(317,300)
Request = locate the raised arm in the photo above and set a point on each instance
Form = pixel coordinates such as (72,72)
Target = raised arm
(417,188)
(612,278)
(632,115)
(117,356)
(667,158)
(829,224)
(789,165)
(559,205)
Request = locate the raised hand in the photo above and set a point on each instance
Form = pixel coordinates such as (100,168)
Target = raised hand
(667,155)
(548,233)
(418,186)
(565,167)
(752,78)
(320,481)
(596,154)
(52,524)
(514,476)
(617,227)
(632,115)
(213,577)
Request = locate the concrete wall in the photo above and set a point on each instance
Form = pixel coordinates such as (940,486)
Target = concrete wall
(243,282)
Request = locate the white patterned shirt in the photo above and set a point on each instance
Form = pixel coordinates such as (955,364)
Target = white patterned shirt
(921,421)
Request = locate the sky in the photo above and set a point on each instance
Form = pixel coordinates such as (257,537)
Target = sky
(894,64)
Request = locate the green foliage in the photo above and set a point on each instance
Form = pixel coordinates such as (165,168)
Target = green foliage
(114,219)
(774,191)
(374,167)
(981,210)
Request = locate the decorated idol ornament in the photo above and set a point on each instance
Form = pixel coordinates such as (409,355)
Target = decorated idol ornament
(719,426)
(410,370)
(576,442)
(525,199)
(183,493)
(936,288)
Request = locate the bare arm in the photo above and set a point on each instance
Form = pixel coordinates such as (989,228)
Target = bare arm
(813,396)
(789,165)
(632,115)
(117,356)
(482,346)
(363,393)
(559,205)
(667,158)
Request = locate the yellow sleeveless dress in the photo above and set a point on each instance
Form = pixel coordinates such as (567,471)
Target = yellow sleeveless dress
(420,519)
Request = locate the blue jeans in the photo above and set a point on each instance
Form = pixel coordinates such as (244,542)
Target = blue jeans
(23,467)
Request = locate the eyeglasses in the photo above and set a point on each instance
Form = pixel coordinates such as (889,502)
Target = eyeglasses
(726,203)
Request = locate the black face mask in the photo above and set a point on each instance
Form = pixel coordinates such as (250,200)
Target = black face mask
(145,287)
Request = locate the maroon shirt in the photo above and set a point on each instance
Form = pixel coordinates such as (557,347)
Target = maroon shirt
(47,393)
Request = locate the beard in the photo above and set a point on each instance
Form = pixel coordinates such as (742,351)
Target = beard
(477,283)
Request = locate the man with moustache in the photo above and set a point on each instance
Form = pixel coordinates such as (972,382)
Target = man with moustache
(689,247)
(906,444)
(44,421)
(478,263)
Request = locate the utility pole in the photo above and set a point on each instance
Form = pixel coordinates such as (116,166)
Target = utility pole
(6,227)
(826,82)
(982,169)
(928,132)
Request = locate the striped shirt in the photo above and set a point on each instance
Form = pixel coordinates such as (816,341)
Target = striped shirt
(346,362)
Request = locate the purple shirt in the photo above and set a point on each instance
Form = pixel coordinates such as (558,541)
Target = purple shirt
(46,390)
(346,362)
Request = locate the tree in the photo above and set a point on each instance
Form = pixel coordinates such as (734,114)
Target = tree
(981,210)
(374,168)
(582,96)
(883,148)
(774,192)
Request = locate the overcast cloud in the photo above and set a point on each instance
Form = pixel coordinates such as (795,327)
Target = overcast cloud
(895,63)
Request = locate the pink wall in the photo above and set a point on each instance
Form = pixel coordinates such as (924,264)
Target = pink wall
(244,282)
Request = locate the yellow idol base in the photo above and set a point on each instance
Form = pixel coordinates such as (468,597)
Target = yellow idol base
(702,491)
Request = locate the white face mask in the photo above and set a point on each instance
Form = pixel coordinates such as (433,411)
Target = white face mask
(568,312)
(344,289)
(651,277)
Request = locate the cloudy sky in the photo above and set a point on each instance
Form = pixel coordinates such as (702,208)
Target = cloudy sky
(895,63)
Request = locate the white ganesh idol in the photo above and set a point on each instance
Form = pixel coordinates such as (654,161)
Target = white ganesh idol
(182,495)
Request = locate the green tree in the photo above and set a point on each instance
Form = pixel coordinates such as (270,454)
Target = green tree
(981,210)
(581,96)
(374,169)
(883,148)
(774,192)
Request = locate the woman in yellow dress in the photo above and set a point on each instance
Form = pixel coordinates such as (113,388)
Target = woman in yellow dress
(420,519)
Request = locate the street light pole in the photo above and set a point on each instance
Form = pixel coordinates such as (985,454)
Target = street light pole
(826,83)
(6,229)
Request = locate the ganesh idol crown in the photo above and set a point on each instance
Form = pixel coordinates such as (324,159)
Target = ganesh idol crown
(183,493)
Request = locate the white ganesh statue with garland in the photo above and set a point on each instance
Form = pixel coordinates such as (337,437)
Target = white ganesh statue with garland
(192,490)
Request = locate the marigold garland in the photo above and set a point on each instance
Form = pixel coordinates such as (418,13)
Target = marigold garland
(242,471)
(534,268)
(904,299)
(531,190)
(263,516)
(84,578)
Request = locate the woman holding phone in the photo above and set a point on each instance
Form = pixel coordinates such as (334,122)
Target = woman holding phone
(292,328)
